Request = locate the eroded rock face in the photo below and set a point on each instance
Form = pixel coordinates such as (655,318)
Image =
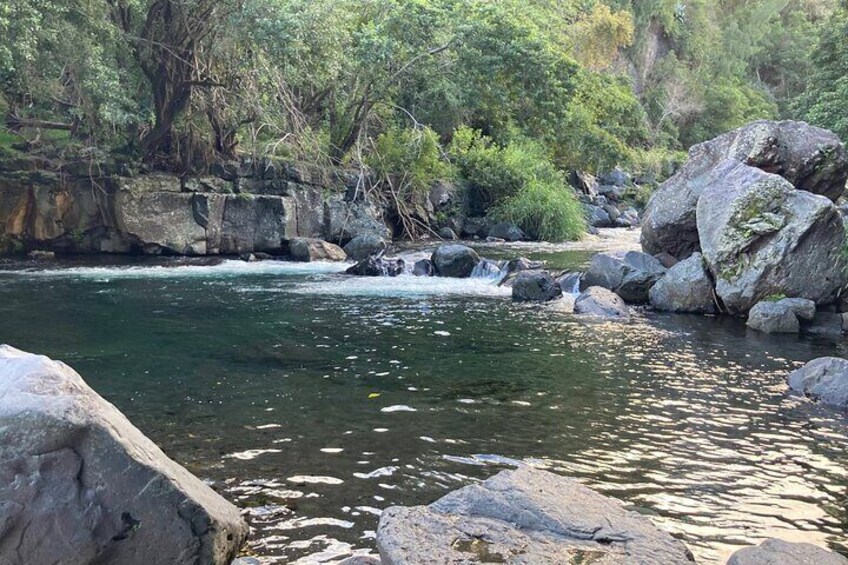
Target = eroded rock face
(524,516)
(79,484)
(630,275)
(760,237)
(685,288)
(779,552)
(598,302)
(535,286)
(809,158)
(455,261)
(307,249)
(824,380)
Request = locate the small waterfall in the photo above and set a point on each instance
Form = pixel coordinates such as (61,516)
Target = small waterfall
(491,270)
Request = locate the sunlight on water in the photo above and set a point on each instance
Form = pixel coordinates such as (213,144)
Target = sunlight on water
(315,400)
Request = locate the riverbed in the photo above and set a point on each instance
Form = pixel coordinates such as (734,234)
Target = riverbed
(314,400)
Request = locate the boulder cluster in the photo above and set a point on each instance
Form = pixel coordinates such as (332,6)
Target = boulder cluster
(611,199)
(754,211)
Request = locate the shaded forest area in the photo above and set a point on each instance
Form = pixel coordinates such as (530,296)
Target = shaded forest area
(507,97)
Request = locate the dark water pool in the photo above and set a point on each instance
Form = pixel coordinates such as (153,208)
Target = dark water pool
(314,401)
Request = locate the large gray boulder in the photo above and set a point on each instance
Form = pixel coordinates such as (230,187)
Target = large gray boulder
(79,484)
(535,286)
(824,380)
(773,318)
(346,219)
(526,516)
(365,245)
(455,261)
(760,237)
(598,302)
(630,275)
(307,249)
(686,288)
(778,552)
(809,158)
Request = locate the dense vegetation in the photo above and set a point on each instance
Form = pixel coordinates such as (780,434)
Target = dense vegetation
(505,97)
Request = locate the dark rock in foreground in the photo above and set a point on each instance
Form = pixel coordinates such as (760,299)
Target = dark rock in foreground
(455,261)
(685,288)
(79,484)
(630,275)
(599,302)
(824,380)
(524,516)
(778,552)
(377,266)
(535,286)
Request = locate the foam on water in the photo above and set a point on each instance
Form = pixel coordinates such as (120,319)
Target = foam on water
(403,286)
(225,269)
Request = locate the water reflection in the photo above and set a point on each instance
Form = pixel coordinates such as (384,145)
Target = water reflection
(316,410)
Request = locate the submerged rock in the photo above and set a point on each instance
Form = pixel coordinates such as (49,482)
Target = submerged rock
(630,275)
(455,261)
(79,484)
(779,552)
(809,158)
(524,516)
(599,302)
(535,286)
(761,237)
(363,246)
(773,318)
(685,288)
(824,380)
(307,249)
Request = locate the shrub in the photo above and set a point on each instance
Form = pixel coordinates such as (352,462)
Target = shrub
(517,183)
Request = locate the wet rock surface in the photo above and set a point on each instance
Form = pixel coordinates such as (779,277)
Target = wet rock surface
(524,516)
(824,380)
(779,552)
(456,261)
(80,484)
(630,275)
(598,302)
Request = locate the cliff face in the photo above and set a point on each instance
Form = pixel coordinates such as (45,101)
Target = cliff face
(81,209)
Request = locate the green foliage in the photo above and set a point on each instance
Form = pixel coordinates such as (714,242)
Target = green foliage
(825,102)
(519,184)
(412,158)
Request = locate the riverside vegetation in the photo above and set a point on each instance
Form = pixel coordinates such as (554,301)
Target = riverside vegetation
(505,99)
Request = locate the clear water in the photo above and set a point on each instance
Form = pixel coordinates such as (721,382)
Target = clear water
(313,400)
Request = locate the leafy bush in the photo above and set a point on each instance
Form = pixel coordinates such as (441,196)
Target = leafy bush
(518,183)
(412,158)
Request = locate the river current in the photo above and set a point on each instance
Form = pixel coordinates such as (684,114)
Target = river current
(314,400)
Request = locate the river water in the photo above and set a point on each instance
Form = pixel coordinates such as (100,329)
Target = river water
(313,400)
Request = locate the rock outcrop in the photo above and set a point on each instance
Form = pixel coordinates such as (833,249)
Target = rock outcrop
(79,484)
(239,210)
(779,552)
(630,275)
(306,249)
(685,288)
(598,302)
(524,516)
(761,237)
(455,261)
(809,158)
(824,380)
